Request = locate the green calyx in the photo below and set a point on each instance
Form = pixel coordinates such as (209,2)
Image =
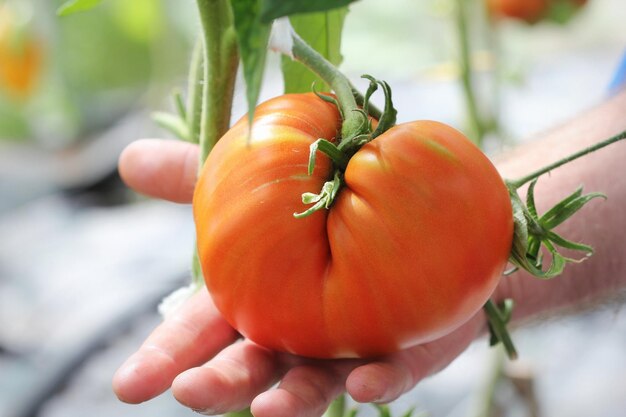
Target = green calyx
(323,200)
(352,140)
(532,232)
(356,126)
(534,235)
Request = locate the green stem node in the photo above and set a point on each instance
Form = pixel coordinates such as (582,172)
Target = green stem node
(498,319)
(338,82)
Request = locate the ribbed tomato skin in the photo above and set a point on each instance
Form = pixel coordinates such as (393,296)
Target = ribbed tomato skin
(411,249)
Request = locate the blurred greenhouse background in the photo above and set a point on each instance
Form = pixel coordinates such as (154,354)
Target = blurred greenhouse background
(84,261)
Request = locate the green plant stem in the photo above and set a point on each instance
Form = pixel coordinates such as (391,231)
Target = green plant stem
(195,91)
(353,119)
(486,406)
(243,413)
(337,408)
(498,326)
(493,37)
(212,75)
(521,181)
(465,61)
(221,59)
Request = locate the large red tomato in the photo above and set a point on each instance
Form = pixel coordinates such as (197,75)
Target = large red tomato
(412,247)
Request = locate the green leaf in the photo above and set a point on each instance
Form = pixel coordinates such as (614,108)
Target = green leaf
(324,199)
(337,408)
(566,208)
(323,32)
(273,9)
(243,413)
(388,118)
(520,230)
(352,412)
(172,123)
(328,148)
(252,38)
(558,261)
(530,198)
(383,410)
(562,11)
(74,6)
(409,412)
(568,244)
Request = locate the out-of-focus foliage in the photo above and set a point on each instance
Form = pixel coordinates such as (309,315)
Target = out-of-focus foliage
(73,74)
(73,6)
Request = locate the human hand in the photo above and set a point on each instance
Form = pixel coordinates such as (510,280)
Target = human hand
(198,355)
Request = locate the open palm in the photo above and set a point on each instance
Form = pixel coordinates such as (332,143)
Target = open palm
(211,370)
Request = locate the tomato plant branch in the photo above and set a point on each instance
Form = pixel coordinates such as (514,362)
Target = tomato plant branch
(532,232)
(195,92)
(521,181)
(211,81)
(477,125)
(221,60)
(195,96)
(497,320)
(353,119)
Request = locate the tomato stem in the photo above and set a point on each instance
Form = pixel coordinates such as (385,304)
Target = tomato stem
(212,74)
(352,124)
(221,59)
(477,124)
(195,92)
(530,177)
(497,320)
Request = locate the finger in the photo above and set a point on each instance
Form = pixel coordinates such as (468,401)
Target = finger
(385,380)
(305,391)
(189,337)
(160,168)
(229,381)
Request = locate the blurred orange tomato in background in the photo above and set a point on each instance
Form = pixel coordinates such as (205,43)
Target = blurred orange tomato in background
(21,54)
